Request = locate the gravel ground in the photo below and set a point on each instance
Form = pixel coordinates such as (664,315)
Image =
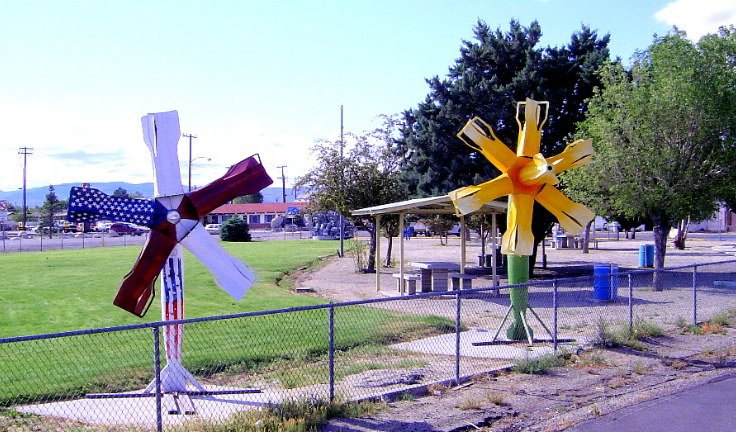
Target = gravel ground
(594,381)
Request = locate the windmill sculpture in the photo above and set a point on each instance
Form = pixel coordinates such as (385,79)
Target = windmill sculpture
(175,219)
(526,176)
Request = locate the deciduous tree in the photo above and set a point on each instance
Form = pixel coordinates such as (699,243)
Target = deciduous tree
(664,134)
(363,174)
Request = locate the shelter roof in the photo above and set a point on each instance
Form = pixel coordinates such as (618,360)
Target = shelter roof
(432,205)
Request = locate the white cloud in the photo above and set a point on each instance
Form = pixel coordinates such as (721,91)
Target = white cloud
(698,17)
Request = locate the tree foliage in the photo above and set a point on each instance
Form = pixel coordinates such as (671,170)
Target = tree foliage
(440,225)
(664,133)
(235,230)
(363,174)
(249,199)
(494,71)
(50,207)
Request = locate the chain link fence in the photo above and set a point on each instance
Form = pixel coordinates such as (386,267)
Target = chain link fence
(122,379)
(22,241)
(26,241)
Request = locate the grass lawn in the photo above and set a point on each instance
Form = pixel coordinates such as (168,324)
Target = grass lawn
(43,292)
(60,290)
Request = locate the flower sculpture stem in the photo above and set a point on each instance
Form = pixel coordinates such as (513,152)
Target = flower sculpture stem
(518,273)
(526,176)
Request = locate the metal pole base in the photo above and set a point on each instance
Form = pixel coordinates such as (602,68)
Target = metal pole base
(174,380)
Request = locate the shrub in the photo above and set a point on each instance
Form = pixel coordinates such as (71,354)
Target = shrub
(539,365)
(358,250)
(721,319)
(235,230)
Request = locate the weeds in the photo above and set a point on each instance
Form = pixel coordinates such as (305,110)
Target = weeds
(716,325)
(437,389)
(407,396)
(681,323)
(625,336)
(304,415)
(539,365)
(496,398)
(470,404)
(639,368)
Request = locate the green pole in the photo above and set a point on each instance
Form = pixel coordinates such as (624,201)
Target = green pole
(518,272)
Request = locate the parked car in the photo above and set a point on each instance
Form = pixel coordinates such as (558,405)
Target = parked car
(122,228)
(214,229)
(102,226)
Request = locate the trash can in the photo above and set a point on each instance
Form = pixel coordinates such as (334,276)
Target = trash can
(603,275)
(646,255)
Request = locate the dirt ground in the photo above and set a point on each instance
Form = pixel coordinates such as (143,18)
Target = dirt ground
(593,382)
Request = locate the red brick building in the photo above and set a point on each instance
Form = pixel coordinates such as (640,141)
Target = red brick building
(257,215)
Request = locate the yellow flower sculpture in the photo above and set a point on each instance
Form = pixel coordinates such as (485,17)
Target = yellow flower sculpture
(525,176)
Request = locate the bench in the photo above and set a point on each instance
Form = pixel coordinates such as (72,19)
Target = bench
(591,242)
(461,281)
(411,282)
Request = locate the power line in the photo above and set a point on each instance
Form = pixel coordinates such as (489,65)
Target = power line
(342,223)
(190,136)
(283,183)
(25,151)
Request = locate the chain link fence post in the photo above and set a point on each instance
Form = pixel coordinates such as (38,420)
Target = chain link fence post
(457,337)
(631,304)
(554,316)
(157,377)
(695,295)
(331,354)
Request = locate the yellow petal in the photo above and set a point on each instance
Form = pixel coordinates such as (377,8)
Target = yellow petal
(576,154)
(572,216)
(479,136)
(471,198)
(518,238)
(530,133)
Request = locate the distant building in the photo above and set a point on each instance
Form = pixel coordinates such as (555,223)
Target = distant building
(723,220)
(258,215)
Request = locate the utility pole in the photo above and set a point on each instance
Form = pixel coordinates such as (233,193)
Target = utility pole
(190,136)
(25,151)
(342,145)
(283,183)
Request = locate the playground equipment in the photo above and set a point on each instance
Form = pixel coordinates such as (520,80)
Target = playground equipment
(526,176)
(326,226)
(175,218)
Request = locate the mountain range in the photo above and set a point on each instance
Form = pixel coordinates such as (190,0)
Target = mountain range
(36,196)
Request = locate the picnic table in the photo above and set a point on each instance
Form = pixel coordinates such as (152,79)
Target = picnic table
(434,274)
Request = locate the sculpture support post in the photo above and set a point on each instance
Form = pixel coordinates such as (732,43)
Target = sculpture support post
(518,272)
(526,176)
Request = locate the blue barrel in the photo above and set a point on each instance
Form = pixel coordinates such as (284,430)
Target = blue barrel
(602,289)
(646,255)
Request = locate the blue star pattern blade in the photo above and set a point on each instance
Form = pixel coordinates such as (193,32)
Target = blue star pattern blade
(89,204)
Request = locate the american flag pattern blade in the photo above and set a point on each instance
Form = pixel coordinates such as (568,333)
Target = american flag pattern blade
(89,204)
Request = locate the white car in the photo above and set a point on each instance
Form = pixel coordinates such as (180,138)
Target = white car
(102,226)
(213,228)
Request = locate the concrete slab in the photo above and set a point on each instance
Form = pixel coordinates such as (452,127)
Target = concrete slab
(141,411)
(445,345)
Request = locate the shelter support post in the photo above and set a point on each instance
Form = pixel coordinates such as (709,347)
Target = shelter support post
(494,271)
(402,282)
(378,252)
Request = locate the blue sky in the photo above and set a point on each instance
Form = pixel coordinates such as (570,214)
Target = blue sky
(252,76)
